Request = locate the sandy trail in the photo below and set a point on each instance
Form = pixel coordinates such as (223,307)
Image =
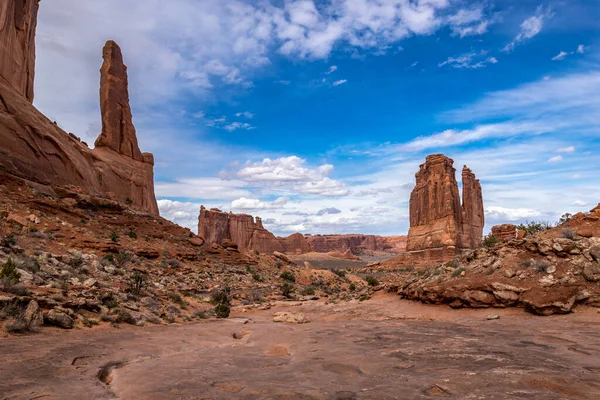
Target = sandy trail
(383,348)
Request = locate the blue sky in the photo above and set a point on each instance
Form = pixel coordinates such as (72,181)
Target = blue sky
(315,115)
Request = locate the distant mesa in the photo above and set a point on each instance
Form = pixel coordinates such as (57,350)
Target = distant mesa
(216,226)
(440,227)
(35,148)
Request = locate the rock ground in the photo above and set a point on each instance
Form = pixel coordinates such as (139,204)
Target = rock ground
(378,349)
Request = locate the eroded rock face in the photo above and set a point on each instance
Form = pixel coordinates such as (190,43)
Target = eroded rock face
(36,149)
(504,233)
(118,132)
(18,21)
(440,227)
(356,244)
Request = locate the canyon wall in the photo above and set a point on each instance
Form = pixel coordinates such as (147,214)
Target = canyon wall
(35,148)
(440,227)
(215,226)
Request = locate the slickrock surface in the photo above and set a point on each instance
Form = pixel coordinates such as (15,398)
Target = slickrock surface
(440,227)
(18,21)
(378,349)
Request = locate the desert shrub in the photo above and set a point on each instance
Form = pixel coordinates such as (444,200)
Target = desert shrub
(287,289)
(170,262)
(288,276)
(256,276)
(122,258)
(11,310)
(75,260)
(129,201)
(132,235)
(352,287)
(8,241)
(278,264)
(221,296)
(568,233)
(137,283)
(19,290)
(18,324)
(110,301)
(32,229)
(200,314)
(490,241)
(526,263)
(308,291)
(9,275)
(565,218)
(372,281)
(114,236)
(256,296)
(541,265)
(364,297)
(124,317)
(30,264)
(222,311)
(339,272)
(176,298)
(533,227)
(453,263)
(458,272)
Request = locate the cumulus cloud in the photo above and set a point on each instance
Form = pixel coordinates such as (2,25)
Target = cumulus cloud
(255,204)
(245,114)
(202,188)
(530,27)
(238,125)
(510,214)
(182,213)
(581,49)
(471,60)
(331,210)
(340,82)
(468,22)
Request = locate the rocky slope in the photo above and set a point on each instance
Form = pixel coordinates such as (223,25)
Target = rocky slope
(80,260)
(547,273)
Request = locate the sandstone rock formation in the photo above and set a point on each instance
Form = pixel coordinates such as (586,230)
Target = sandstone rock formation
(118,132)
(36,149)
(504,233)
(215,226)
(440,227)
(18,21)
(248,233)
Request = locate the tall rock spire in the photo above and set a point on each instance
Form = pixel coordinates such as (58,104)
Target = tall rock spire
(18,22)
(440,226)
(118,132)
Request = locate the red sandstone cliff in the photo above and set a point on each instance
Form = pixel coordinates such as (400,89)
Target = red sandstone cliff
(36,149)
(440,226)
(18,21)
(357,243)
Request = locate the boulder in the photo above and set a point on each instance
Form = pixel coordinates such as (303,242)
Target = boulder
(197,241)
(59,318)
(33,315)
(282,257)
(290,318)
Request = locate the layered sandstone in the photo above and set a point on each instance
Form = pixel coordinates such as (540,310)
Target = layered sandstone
(357,244)
(247,232)
(504,233)
(18,21)
(36,149)
(440,227)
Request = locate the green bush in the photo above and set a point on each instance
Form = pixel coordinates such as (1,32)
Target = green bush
(372,281)
(137,283)
(490,241)
(124,317)
(458,272)
(222,311)
(364,297)
(288,276)
(9,275)
(533,227)
(352,287)
(114,236)
(132,235)
(565,218)
(308,291)
(287,289)
(339,272)
(256,276)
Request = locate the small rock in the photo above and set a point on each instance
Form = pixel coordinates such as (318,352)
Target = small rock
(493,316)
(26,276)
(289,318)
(551,269)
(88,283)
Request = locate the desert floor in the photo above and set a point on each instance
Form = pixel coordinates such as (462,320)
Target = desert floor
(383,348)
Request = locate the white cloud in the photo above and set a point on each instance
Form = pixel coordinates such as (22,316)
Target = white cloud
(332,69)
(468,22)
(581,49)
(246,114)
(324,187)
(238,125)
(330,210)
(202,188)
(471,60)
(530,27)
(579,203)
(560,56)
(570,149)
(182,213)
(340,82)
(510,214)
(555,159)
(255,204)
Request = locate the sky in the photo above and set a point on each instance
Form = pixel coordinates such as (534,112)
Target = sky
(316,114)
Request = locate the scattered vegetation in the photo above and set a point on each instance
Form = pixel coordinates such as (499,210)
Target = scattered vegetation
(364,297)
(288,276)
(128,201)
(340,272)
(308,291)
(352,287)
(132,235)
(221,298)
(114,236)
(75,260)
(9,276)
(490,241)
(372,281)
(542,265)
(256,276)
(287,289)
(137,283)
(124,317)
(533,227)
(568,233)
(176,298)
(8,241)
(565,218)
(458,272)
